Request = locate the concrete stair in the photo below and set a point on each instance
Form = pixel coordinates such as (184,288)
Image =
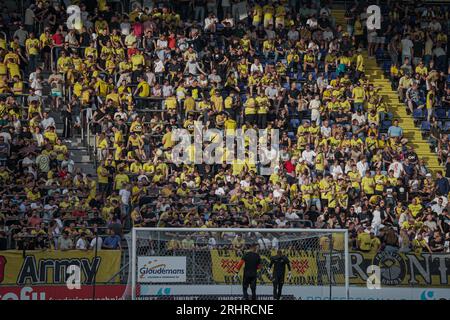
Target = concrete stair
(398,109)
(339,16)
(80,155)
(78,152)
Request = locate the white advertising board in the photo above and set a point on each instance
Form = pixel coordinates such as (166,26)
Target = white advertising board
(154,269)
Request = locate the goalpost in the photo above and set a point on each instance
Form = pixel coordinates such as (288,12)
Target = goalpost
(199,263)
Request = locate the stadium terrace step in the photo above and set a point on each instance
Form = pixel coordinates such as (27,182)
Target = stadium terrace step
(398,109)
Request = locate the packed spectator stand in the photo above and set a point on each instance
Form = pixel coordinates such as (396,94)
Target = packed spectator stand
(128,78)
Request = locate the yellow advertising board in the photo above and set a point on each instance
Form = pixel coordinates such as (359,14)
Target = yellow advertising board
(313,268)
(50,266)
(303,266)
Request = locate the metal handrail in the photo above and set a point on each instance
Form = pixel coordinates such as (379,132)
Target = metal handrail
(83,119)
(88,135)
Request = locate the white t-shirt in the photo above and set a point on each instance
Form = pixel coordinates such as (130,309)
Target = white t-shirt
(406,46)
(360,118)
(29,17)
(264,243)
(312,23)
(125,196)
(314,104)
(219,192)
(278,193)
(81,244)
(275,243)
(212,243)
(48,122)
(159,66)
(308,156)
(362,168)
(291,216)
(94,242)
(125,28)
(162,43)
(435,26)
(325,131)
(255,67)
(6,136)
(376,220)
(336,171)
(245,184)
(209,22)
(397,167)
(293,35)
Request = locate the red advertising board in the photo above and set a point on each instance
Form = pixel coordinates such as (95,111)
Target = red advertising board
(58,292)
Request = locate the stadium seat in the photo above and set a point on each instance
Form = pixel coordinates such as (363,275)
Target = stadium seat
(418,114)
(440,113)
(447,127)
(425,126)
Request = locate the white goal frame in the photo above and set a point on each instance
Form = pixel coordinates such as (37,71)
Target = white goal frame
(134,231)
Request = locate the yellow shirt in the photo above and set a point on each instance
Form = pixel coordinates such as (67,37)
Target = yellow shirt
(368,184)
(120,180)
(136,60)
(102,175)
(380,181)
(365,243)
(32,46)
(415,209)
(250,106)
(359,95)
(144,89)
(217,103)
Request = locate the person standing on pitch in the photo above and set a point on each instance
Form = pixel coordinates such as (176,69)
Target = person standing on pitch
(252,261)
(279,263)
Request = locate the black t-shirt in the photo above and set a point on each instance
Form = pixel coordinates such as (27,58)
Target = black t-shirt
(114,25)
(447,98)
(418,48)
(97,220)
(401,193)
(150,214)
(323,22)
(445,223)
(85,39)
(94,203)
(145,200)
(412,157)
(437,246)
(252,261)
(338,155)
(279,264)
(342,116)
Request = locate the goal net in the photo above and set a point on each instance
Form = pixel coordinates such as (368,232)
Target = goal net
(200,263)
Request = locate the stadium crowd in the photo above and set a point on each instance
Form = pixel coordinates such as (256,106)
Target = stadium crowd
(136,77)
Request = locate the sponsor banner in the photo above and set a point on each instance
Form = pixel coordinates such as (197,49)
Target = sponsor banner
(51,266)
(402,269)
(59,292)
(313,268)
(161,269)
(234,292)
(304,267)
